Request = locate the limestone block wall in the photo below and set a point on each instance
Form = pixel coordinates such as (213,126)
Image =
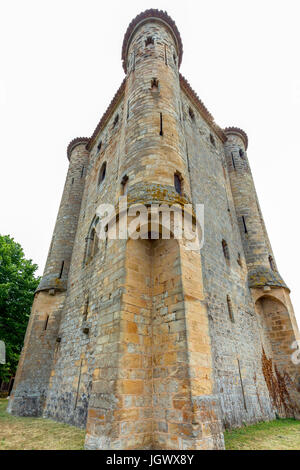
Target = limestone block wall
(31,384)
(145,405)
(143,342)
(93,295)
(153,147)
(237,351)
(42,341)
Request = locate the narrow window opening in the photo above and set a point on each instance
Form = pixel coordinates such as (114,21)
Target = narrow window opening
(166,58)
(226,251)
(94,244)
(244,224)
(175,59)
(154,84)
(233,162)
(72,180)
(102,173)
(128,109)
(116,120)
(241,152)
(82,172)
(46,323)
(106,236)
(230,309)
(86,309)
(178,183)
(239,260)
(242,385)
(212,140)
(124,185)
(61,270)
(192,114)
(272,263)
(161,124)
(149,41)
(78,385)
(99,146)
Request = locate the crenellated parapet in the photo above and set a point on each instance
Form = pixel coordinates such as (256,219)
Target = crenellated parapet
(147,17)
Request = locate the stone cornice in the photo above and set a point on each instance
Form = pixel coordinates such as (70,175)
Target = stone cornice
(142,18)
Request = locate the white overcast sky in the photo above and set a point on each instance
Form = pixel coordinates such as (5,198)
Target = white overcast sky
(61,65)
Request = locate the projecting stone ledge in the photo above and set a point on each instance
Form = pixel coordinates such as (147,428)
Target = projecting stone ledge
(260,276)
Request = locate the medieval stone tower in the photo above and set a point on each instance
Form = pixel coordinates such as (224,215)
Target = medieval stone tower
(145,343)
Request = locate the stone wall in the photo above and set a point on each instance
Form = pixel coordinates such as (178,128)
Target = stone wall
(148,344)
(236,345)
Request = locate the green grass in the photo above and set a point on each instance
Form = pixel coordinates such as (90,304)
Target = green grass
(281,434)
(44,434)
(37,433)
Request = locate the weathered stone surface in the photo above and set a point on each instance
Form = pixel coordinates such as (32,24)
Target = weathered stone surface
(159,347)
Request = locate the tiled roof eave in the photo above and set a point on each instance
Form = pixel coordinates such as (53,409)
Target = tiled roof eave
(186,87)
(108,113)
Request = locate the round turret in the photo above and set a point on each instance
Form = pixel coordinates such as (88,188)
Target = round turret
(262,269)
(153,157)
(59,257)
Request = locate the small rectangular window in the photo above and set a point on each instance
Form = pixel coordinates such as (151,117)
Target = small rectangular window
(149,41)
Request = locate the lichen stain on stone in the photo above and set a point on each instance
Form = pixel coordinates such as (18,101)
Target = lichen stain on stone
(278,387)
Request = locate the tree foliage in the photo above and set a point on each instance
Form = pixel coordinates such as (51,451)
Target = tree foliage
(17,286)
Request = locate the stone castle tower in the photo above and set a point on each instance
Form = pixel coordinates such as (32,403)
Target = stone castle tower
(145,343)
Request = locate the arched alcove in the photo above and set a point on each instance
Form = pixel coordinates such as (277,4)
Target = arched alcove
(154,334)
(277,337)
(276,327)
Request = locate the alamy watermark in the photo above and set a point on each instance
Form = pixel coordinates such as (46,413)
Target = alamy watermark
(152,221)
(296,354)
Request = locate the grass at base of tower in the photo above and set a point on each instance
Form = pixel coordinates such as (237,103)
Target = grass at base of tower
(37,433)
(44,434)
(280,434)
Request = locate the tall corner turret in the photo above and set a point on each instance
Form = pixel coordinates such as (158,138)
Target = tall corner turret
(262,269)
(56,271)
(28,397)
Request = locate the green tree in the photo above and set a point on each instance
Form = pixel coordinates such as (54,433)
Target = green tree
(17,286)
